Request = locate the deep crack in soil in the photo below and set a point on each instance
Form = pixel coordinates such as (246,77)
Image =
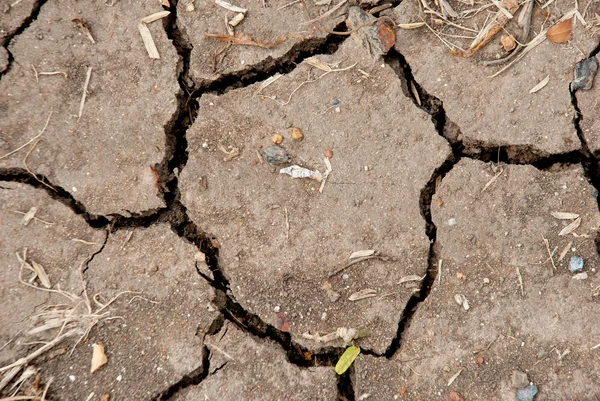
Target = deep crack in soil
(175,213)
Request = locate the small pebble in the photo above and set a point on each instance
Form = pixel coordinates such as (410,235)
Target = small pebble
(337,110)
(328,153)
(486,280)
(519,379)
(119,378)
(335,102)
(452,222)
(575,264)
(275,155)
(345,276)
(277,308)
(154,268)
(297,134)
(72,378)
(277,139)
(580,276)
(595,193)
(585,71)
(527,393)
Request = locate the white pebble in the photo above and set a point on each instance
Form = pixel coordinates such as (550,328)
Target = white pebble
(119,378)
(72,378)
(277,308)
(452,222)
(486,280)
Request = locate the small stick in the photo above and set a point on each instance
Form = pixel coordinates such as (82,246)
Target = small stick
(520,282)
(287,224)
(551,254)
(31,172)
(35,218)
(326,14)
(596,346)
(85,242)
(440,271)
(85,87)
(453,378)
(31,140)
(564,252)
(36,73)
(54,73)
(488,347)
(490,182)
(288,4)
(355,261)
(84,29)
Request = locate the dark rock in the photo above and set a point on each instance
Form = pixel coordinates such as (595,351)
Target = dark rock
(527,393)
(585,72)
(275,155)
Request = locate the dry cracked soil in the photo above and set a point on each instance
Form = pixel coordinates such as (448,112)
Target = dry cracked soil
(154,248)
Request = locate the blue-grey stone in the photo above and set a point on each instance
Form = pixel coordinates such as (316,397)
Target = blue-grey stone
(335,102)
(576,264)
(527,393)
(594,192)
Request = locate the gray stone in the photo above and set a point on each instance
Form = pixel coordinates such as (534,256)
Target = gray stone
(519,379)
(527,393)
(575,264)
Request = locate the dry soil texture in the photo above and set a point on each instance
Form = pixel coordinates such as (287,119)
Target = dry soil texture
(143,211)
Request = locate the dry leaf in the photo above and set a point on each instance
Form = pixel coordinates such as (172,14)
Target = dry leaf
(412,277)
(412,25)
(242,39)
(362,254)
(508,43)
(570,228)
(362,294)
(560,32)
(99,358)
(539,86)
(564,215)
(346,359)
(41,273)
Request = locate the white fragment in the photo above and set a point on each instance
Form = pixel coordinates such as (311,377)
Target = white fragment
(148,41)
(230,7)
(155,17)
(72,378)
(580,276)
(29,216)
(362,294)
(235,21)
(301,172)
(362,254)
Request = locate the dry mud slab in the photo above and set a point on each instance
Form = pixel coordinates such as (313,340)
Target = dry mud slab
(149,332)
(107,155)
(211,59)
(243,368)
(538,319)
(500,111)
(587,102)
(370,201)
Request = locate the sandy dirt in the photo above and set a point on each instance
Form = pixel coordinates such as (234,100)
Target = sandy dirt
(155,221)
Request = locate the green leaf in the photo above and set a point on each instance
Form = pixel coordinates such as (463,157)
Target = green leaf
(346,359)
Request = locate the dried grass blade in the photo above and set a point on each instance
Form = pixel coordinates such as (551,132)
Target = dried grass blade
(230,7)
(41,273)
(570,228)
(155,17)
(148,41)
(315,62)
(362,254)
(412,25)
(411,277)
(362,294)
(564,215)
(539,86)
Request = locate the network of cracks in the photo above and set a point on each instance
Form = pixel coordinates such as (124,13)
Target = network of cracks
(175,212)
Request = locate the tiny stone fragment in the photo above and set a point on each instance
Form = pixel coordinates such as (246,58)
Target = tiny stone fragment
(275,155)
(297,134)
(575,264)
(585,72)
(519,379)
(527,393)
(277,139)
(452,222)
(378,37)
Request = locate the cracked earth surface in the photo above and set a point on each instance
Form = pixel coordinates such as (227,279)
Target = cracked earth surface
(221,267)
